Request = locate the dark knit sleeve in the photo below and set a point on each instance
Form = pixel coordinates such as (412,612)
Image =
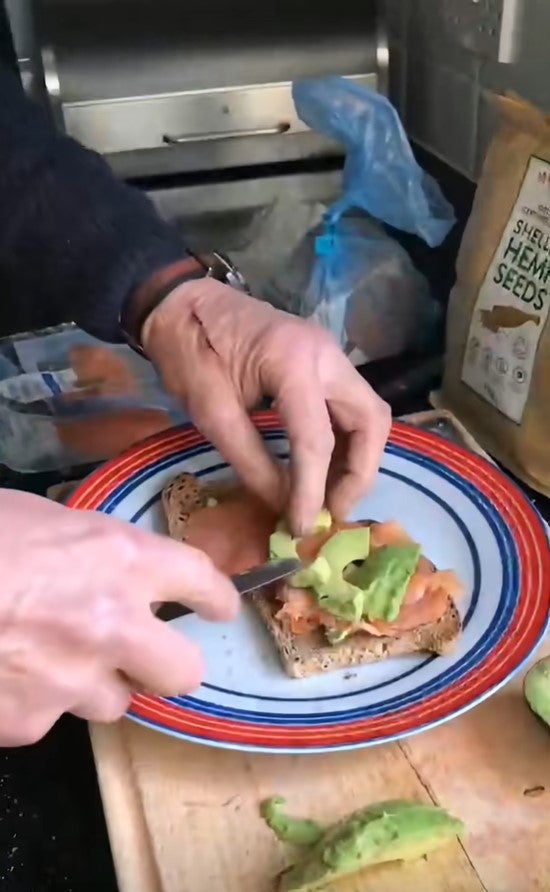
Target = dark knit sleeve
(74,240)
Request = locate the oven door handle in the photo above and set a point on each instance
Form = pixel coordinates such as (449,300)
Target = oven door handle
(213,136)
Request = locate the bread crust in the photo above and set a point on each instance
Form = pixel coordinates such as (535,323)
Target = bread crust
(305,655)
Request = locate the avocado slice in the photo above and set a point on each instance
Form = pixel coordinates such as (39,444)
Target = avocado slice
(325,575)
(396,830)
(297,831)
(345,547)
(384,578)
(337,554)
(282,546)
(315,576)
(324,521)
(536,688)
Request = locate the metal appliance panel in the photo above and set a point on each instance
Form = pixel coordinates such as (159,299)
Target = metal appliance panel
(161,88)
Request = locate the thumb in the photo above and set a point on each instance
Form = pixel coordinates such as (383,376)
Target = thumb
(174,571)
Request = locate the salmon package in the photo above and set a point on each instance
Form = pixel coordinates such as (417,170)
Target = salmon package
(67,399)
(497,368)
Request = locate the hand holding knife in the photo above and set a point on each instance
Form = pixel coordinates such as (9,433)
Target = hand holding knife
(245,583)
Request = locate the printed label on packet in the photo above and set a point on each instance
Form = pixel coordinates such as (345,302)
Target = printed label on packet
(38,386)
(512,306)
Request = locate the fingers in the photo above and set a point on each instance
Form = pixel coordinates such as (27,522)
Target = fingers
(161,660)
(367,424)
(106,701)
(173,571)
(361,468)
(224,421)
(305,415)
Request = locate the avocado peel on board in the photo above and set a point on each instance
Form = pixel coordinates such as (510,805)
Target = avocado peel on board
(536,688)
(394,830)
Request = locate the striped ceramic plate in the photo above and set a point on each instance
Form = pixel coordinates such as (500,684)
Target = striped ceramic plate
(467,515)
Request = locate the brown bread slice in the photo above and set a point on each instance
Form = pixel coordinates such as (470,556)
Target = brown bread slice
(185,494)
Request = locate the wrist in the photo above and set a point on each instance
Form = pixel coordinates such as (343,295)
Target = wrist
(139,305)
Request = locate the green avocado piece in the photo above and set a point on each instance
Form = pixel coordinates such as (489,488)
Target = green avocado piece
(343,600)
(388,831)
(325,575)
(298,831)
(384,578)
(317,574)
(345,547)
(324,521)
(282,546)
(536,688)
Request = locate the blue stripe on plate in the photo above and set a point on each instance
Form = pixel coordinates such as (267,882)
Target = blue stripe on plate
(129,485)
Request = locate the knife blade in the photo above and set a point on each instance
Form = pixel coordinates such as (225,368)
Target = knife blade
(250,581)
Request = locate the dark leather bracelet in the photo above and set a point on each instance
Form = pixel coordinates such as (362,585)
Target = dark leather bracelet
(141,304)
(137,308)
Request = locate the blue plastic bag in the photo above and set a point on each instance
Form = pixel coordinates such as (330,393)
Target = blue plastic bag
(381,175)
(348,274)
(365,290)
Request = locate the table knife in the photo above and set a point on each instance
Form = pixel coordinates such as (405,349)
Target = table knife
(253,579)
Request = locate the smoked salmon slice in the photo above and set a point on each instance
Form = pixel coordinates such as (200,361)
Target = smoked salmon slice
(389,532)
(428,610)
(234,533)
(301,612)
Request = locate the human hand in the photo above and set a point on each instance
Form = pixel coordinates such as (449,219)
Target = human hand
(76,629)
(220,352)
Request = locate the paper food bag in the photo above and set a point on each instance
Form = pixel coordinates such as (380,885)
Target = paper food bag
(497,368)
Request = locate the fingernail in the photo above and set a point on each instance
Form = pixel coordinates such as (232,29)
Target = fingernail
(300,524)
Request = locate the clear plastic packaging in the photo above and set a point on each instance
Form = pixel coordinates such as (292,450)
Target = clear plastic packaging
(67,399)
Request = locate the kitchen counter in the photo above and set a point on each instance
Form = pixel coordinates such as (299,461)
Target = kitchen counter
(52,831)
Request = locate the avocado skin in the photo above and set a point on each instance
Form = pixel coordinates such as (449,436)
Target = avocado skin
(395,830)
(296,831)
(536,688)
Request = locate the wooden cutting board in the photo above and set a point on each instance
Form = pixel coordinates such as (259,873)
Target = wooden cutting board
(184,818)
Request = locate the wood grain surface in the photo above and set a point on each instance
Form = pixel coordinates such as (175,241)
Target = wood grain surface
(184,818)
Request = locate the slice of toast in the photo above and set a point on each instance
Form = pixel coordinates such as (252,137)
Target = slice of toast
(311,654)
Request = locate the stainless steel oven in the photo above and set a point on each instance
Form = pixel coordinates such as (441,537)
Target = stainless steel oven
(165,86)
(172,89)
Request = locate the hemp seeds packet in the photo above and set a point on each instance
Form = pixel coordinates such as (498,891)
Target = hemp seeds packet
(497,367)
